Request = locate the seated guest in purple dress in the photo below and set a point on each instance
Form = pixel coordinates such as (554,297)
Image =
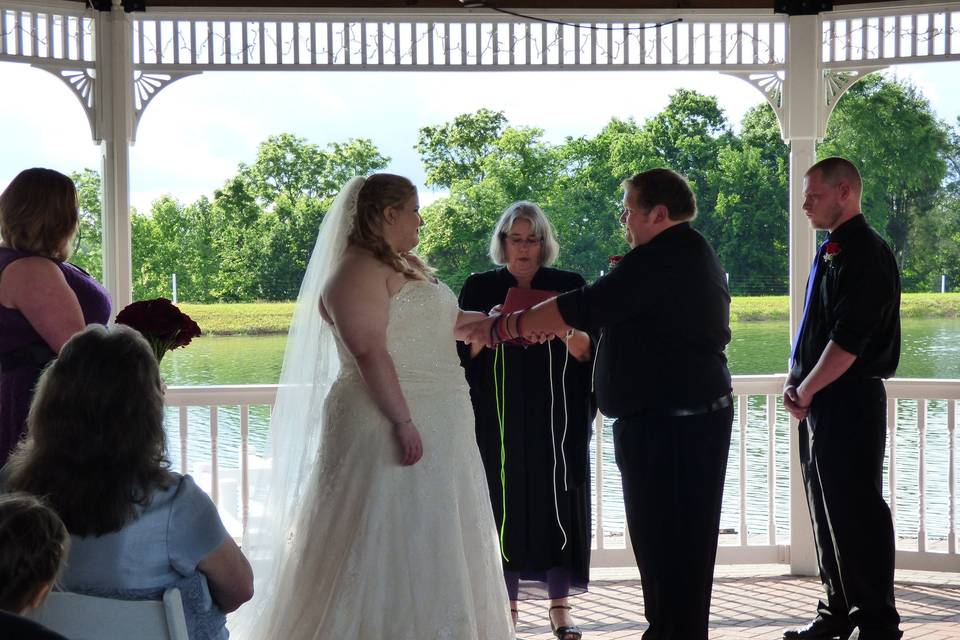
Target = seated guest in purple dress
(43,299)
(97,449)
(33,544)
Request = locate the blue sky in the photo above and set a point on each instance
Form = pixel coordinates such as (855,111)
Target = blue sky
(197,130)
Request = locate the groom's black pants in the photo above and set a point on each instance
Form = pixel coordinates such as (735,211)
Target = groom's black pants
(842,444)
(672,470)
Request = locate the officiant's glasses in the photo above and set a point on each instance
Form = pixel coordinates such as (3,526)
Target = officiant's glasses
(520,242)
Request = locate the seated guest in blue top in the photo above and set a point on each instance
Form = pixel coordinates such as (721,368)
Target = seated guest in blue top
(97,449)
(33,543)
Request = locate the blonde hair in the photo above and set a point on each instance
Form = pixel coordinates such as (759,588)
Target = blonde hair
(539,224)
(39,211)
(379,191)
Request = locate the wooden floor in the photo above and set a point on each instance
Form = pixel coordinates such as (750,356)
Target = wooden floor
(749,602)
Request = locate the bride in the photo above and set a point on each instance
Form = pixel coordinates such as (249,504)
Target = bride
(376,522)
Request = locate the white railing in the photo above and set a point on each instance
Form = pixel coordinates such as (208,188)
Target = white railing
(891,35)
(462,40)
(223,427)
(58,33)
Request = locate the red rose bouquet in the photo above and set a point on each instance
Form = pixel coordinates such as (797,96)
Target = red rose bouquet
(160,321)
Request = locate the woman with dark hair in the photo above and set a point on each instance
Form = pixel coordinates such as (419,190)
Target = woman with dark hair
(43,299)
(534,412)
(96,449)
(33,545)
(378,524)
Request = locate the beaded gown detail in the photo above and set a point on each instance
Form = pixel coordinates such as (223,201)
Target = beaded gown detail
(380,550)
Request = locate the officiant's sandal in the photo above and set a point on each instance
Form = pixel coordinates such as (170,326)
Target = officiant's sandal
(564,633)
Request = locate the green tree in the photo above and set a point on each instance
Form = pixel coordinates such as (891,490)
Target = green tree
(88,253)
(888,129)
(687,136)
(751,230)
(517,165)
(267,216)
(455,151)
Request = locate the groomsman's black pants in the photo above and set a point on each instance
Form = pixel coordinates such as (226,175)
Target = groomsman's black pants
(672,470)
(842,445)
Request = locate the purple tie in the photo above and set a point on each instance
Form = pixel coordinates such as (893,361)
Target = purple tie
(812,282)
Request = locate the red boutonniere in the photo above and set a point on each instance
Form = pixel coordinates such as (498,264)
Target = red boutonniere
(830,252)
(160,321)
(614,261)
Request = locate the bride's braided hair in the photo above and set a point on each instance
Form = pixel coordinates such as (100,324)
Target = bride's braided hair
(382,190)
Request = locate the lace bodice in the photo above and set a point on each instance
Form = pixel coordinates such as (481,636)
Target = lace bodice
(419,336)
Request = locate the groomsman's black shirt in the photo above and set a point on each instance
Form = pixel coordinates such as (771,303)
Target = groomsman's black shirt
(663,315)
(855,303)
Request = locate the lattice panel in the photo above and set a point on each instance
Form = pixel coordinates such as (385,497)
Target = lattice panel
(46,36)
(893,37)
(447,43)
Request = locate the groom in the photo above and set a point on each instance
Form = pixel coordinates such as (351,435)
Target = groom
(663,319)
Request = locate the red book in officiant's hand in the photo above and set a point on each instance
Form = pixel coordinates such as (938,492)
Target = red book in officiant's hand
(519,298)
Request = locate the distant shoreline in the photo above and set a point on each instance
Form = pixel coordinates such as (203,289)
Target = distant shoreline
(271,318)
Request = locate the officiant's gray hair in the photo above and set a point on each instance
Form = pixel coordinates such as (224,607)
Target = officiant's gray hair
(539,223)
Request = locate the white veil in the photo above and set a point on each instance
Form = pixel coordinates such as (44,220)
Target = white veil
(310,365)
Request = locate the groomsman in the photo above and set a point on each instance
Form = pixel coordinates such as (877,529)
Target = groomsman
(848,342)
(662,315)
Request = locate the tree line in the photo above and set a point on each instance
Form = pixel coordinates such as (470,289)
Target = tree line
(252,239)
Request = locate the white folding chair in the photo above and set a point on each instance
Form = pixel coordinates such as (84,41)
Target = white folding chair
(80,617)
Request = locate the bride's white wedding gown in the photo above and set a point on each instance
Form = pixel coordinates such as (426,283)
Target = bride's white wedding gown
(382,551)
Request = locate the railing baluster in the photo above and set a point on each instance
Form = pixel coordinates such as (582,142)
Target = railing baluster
(914,36)
(771,469)
(430,28)
(209,24)
(18,25)
(183,440)
(892,437)
(675,58)
(598,465)
(922,407)
(952,475)
(296,42)
(278,39)
(227,43)
(742,411)
(214,457)
(244,466)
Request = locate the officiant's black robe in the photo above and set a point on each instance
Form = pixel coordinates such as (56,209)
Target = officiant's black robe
(543,472)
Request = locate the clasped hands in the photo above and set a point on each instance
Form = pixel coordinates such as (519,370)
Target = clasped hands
(796,400)
(497,328)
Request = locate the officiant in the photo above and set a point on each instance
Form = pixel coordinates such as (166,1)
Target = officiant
(662,314)
(534,410)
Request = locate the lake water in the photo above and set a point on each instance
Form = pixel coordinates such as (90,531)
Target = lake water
(930,349)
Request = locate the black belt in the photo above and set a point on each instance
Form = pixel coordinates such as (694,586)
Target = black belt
(679,412)
(35,355)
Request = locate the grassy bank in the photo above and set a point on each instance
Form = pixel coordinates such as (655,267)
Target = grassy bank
(274,317)
(912,305)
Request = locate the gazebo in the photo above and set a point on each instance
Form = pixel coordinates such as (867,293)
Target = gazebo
(800,54)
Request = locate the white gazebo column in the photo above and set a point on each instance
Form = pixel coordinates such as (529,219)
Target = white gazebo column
(803,100)
(114,127)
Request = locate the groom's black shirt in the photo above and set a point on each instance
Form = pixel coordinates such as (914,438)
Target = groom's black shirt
(663,314)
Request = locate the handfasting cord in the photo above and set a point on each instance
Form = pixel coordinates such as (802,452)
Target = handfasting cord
(500,397)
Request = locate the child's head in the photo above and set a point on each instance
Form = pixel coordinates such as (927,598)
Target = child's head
(33,545)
